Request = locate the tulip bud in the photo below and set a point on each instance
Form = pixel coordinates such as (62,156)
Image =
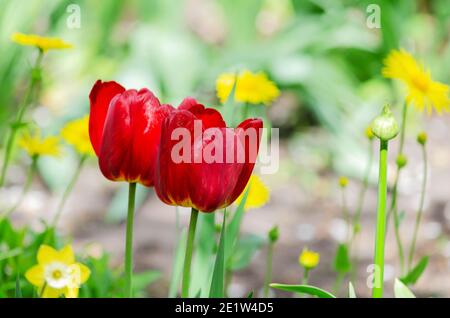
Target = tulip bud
(422,138)
(401,161)
(384,126)
(343,182)
(273,234)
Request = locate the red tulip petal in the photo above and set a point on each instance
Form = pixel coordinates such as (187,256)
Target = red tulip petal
(249,133)
(100,97)
(209,116)
(172,174)
(213,180)
(131,137)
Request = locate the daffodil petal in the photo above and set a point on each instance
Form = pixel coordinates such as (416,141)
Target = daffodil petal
(35,275)
(71,292)
(85,272)
(46,254)
(66,255)
(50,292)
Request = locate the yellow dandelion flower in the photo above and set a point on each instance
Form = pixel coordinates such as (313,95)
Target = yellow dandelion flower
(258,193)
(41,42)
(308,259)
(76,134)
(422,91)
(57,273)
(34,145)
(253,88)
(343,182)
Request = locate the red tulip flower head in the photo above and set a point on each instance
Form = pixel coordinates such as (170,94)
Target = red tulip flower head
(201,163)
(125,130)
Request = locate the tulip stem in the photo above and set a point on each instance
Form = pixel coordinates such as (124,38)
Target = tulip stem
(268,276)
(420,211)
(188,255)
(377,291)
(129,242)
(68,190)
(29,95)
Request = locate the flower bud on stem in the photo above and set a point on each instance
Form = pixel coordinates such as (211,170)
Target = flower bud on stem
(385,128)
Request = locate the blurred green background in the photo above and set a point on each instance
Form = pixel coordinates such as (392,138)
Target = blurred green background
(322,54)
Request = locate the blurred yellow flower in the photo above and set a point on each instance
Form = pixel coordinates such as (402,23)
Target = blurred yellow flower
(41,42)
(76,134)
(258,193)
(57,273)
(34,145)
(423,92)
(308,259)
(253,88)
(369,133)
(343,182)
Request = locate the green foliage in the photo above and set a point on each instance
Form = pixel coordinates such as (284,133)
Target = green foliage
(304,289)
(18,249)
(342,263)
(218,278)
(415,273)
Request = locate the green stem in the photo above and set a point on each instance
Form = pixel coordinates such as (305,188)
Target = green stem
(377,291)
(129,242)
(346,214)
(188,255)
(28,99)
(41,293)
(362,194)
(268,276)
(305,277)
(30,174)
(420,211)
(338,283)
(68,190)
(393,207)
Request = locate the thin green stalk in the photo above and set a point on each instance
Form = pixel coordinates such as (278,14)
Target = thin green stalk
(393,207)
(377,291)
(420,211)
(68,190)
(129,242)
(362,193)
(346,214)
(268,276)
(28,99)
(338,283)
(305,277)
(188,255)
(41,293)
(29,178)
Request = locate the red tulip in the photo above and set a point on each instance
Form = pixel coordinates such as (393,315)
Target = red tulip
(125,130)
(211,170)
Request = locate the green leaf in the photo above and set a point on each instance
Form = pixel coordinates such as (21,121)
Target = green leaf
(233,229)
(304,289)
(401,291)
(342,262)
(351,291)
(218,278)
(178,264)
(18,292)
(415,273)
(142,280)
(244,251)
(250,294)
